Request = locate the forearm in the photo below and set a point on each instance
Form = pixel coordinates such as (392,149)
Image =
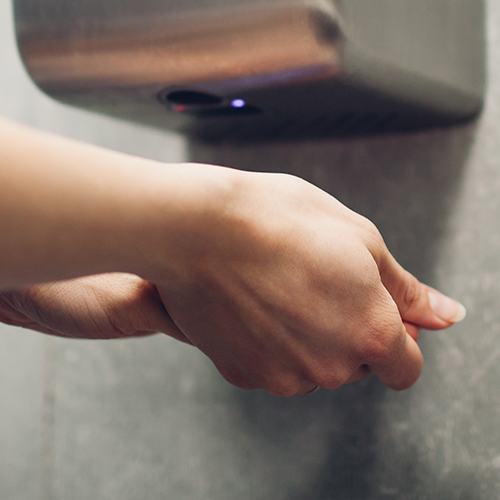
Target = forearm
(282,286)
(68,209)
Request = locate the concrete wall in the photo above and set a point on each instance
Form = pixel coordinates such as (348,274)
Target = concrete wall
(152,419)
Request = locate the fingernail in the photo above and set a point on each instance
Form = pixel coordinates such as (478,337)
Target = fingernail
(447,309)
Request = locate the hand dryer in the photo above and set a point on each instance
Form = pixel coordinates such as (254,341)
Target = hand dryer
(261,69)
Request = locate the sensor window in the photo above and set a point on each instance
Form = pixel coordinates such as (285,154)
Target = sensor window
(192,98)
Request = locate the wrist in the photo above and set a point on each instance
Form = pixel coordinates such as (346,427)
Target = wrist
(70,209)
(178,214)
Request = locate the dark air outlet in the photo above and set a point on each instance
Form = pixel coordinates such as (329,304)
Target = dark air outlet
(191,98)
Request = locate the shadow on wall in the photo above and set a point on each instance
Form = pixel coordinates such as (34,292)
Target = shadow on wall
(408,186)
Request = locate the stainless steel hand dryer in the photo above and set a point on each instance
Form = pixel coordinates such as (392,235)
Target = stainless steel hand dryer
(261,69)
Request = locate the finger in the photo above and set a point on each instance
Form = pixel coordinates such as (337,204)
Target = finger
(162,322)
(312,389)
(362,373)
(399,368)
(158,318)
(412,330)
(417,303)
(30,325)
(170,329)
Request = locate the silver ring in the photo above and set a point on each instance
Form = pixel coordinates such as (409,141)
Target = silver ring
(312,390)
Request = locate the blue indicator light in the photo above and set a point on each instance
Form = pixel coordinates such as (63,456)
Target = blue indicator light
(238,103)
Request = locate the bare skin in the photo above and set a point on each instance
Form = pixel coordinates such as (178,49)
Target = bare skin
(279,284)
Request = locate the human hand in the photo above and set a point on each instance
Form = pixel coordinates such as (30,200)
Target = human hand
(283,287)
(105,306)
(286,289)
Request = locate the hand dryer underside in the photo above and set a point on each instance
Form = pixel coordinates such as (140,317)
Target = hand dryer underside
(261,69)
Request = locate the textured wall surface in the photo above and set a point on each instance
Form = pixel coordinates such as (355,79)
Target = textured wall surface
(151,419)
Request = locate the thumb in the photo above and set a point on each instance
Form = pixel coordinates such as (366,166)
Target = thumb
(417,303)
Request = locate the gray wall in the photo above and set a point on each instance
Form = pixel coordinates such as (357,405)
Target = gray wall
(152,419)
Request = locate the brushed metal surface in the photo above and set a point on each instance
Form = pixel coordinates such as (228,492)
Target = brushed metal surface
(186,48)
(305,67)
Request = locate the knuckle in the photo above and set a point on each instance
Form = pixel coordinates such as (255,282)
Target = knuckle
(332,380)
(234,377)
(371,232)
(330,375)
(373,240)
(412,294)
(275,383)
(406,383)
(381,342)
(283,386)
